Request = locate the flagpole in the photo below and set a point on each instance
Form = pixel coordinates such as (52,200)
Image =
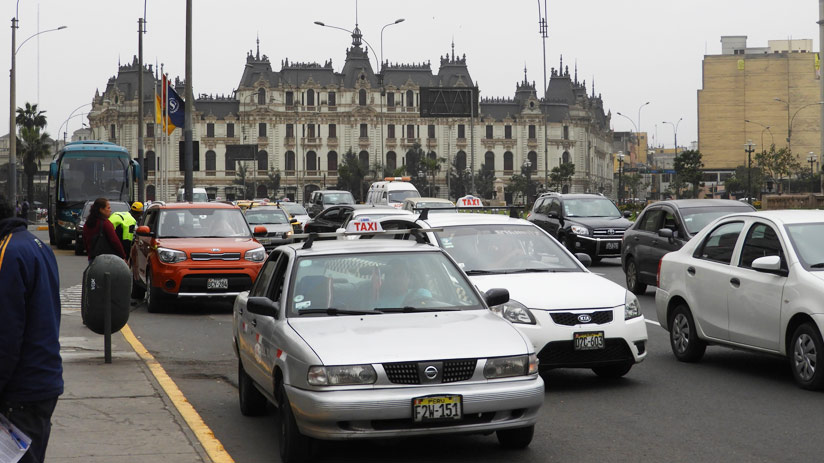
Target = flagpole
(154,133)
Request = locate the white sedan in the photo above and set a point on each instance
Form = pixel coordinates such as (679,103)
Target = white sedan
(751,281)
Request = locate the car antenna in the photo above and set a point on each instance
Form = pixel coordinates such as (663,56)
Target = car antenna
(308,243)
(424,214)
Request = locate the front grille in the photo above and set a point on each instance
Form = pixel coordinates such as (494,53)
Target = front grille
(408,372)
(215,256)
(563,354)
(197,283)
(599,317)
(605,232)
(404,423)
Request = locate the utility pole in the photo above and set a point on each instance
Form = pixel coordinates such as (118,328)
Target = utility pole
(542,26)
(750,149)
(821,81)
(140,182)
(188,156)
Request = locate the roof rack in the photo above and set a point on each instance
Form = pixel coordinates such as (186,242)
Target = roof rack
(513,210)
(419,233)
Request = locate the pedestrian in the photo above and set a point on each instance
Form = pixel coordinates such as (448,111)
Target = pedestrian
(24,211)
(125,224)
(98,233)
(31,370)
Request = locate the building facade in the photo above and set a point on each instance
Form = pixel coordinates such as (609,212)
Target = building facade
(301,120)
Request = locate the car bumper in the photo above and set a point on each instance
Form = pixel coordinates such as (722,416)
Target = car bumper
(387,412)
(185,280)
(625,340)
(662,298)
(598,247)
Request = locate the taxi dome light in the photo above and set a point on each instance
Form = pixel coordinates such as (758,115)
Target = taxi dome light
(397,179)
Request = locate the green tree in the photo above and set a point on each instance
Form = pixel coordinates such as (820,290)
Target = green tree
(688,167)
(485,182)
(241,175)
(737,183)
(560,176)
(777,164)
(32,145)
(633,183)
(274,181)
(431,165)
(460,181)
(522,184)
(351,175)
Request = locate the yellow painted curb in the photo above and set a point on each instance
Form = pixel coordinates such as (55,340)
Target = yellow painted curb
(42,227)
(204,434)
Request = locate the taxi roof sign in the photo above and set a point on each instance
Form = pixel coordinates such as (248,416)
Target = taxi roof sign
(397,179)
(363,224)
(469,201)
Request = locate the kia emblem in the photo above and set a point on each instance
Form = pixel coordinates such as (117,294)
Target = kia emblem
(431,372)
(215,249)
(585,318)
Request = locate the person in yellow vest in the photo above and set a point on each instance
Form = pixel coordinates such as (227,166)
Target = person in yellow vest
(125,224)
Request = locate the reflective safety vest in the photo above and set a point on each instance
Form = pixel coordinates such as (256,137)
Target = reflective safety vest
(127,224)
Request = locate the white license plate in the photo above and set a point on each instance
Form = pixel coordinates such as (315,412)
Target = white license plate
(217,283)
(591,340)
(612,246)
(437,408)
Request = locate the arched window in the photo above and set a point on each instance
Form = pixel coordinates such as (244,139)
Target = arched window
(150,161)
(489,160)
(508,160)
(311,160)
(310,97)
(410,98)
(150,192)
(261,96)
(363,157)
(332,161)
(290,160)
(532,157)
(432,155)
(362,97)
(565,158)
(211,160)
(460,161)
(262,191)
(391,161)
(262,160)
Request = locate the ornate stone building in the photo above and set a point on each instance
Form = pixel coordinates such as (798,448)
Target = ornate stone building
(302,119)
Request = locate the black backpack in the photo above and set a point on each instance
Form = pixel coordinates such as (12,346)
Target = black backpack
(100,244)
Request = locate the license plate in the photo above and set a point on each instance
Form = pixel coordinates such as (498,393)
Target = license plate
(217,283)
(437,408)
(612,246)
(592,340)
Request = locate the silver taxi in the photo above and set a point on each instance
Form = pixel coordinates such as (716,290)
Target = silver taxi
(378,338)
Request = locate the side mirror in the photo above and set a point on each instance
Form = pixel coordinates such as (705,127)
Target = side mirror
(496,296)
(552,215)
(294,221)
(627,214)
(262,306)
(584,258)
(260,230)
(144,230)
(769,264)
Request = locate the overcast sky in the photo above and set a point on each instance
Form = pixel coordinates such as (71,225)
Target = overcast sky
(635,50)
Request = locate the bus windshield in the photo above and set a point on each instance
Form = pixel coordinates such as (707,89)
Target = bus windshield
(90,177)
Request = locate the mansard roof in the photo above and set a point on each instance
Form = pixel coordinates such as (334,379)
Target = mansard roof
(453,72)
(419,74)
(217,106)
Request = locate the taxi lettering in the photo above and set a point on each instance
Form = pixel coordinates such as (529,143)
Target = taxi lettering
(366,226)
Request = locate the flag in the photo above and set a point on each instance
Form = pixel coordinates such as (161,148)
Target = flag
(175,109)
(158,112)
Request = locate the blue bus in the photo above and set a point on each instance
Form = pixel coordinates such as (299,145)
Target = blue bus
(84,171)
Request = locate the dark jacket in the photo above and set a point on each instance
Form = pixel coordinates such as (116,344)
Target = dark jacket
(90,232)
(30,364)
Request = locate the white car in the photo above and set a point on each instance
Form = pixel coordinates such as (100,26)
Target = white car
(750,281)
(574,318)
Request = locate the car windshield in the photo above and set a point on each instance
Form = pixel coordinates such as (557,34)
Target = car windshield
(264,216)
(202,223)
(808,241)
(590,207)
(505,249)
(399,196)
(379,283)
(293,208)
(338,198)
(696,218)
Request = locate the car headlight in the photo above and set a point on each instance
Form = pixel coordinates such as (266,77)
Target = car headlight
(632,308)
(170,256)
(341,375)
(505,367)
(514,312)
(579,230)
(287,234)
(66,224)
(256,255)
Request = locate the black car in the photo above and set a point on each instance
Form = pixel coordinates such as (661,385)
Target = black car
(586,223)
(321,199)
(79,245)
(332,218)
(663,227)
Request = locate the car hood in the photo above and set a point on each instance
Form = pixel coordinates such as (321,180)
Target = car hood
(602,222)
(349,339)
(556,291)
(208,244)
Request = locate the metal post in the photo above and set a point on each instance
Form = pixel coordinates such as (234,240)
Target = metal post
(821,81)
(107,318)
(749,145)
(542,26)
(140,182)
(472,140)
(12,121)
(188,156)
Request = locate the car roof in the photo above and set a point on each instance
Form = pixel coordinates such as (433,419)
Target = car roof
(195,205)
(451,220)
(338,247)
(380,210)
(788,216)
(425,199)
(333,191)
(267,207)
(687,203)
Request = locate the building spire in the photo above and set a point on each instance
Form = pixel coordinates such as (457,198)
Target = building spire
(258,46)
(356,33)
(576,70)
(453,48)
(561,67)
(525,72)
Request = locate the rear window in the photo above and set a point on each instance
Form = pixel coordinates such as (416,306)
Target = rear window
(338,198)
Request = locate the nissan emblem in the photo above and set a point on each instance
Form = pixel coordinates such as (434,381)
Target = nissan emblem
(431,372)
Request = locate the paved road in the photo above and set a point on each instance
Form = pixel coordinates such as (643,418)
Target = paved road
(733,406)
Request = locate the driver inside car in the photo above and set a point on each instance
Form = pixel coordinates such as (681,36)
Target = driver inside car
(398,288)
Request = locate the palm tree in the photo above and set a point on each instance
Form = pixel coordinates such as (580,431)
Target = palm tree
(33,144)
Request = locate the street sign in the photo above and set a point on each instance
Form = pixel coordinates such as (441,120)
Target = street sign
(448,101)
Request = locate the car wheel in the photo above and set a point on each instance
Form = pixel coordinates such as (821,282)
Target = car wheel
(595,259)
(806,350)
(518,438)
(138,292)
(633,284)
(78,247)
(684,337)
(153,295)
(294,446)
(252,402)
(613,371)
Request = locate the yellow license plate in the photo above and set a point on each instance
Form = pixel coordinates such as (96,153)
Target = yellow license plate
(437,408)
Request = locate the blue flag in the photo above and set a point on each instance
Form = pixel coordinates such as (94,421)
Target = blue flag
(176,109)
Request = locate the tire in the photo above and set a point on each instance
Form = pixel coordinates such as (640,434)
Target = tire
(633,283)
(294,446)
(154,296)
(252,402)
(518,438)
(595,259)
(683,336)
(613,371)
(78,248)
(138,292)
(806,352)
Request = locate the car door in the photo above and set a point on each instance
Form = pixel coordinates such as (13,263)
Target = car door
(707,276)
(144,244)
(641,241)
(660,245)
(754,298)
(538,213)
(325,221)
(248,332)
(554,217)
(270,337)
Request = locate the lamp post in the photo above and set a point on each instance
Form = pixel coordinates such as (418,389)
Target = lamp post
(71,115)
(766,128)
(634,126)
(750,149)
(790,120)
(620,157)
(528,166)
(675,134)
(811,158)
(13,104)
(542,29)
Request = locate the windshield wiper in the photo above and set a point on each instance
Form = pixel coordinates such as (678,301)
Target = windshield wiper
(818,265)
(531,270)
(336,311)
(410,309)
(481,272)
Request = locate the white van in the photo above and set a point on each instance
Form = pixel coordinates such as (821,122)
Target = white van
(198,195)
(392,191)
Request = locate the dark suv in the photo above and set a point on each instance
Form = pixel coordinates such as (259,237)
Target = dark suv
(582,222)
(322,199)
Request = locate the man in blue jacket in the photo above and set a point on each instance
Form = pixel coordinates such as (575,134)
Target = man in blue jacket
(31,370)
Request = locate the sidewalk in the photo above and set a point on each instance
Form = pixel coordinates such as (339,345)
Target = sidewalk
(113,412)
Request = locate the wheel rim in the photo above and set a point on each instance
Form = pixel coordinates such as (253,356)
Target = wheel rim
(631,280)
(148,288)
(804,357)
(680,333)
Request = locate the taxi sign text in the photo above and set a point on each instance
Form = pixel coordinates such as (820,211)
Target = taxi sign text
(469,201)
(364,224)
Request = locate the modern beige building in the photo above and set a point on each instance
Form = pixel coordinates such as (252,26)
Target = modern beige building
(767,95)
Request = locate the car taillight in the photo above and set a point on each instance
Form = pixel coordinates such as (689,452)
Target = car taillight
(658,273)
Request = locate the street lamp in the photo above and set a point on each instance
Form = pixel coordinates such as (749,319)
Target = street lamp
(811,158)
(750,148)
(620,157)
(71,115)
(13,104)
(790,120)
(527,165)
(767,128)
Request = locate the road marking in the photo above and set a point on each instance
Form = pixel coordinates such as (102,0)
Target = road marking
(652,322)
(204,434)
(70,298)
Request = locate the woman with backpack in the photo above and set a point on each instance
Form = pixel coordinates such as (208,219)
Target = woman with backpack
(98,233)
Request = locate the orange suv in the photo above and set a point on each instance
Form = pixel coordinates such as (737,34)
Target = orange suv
(193,250)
